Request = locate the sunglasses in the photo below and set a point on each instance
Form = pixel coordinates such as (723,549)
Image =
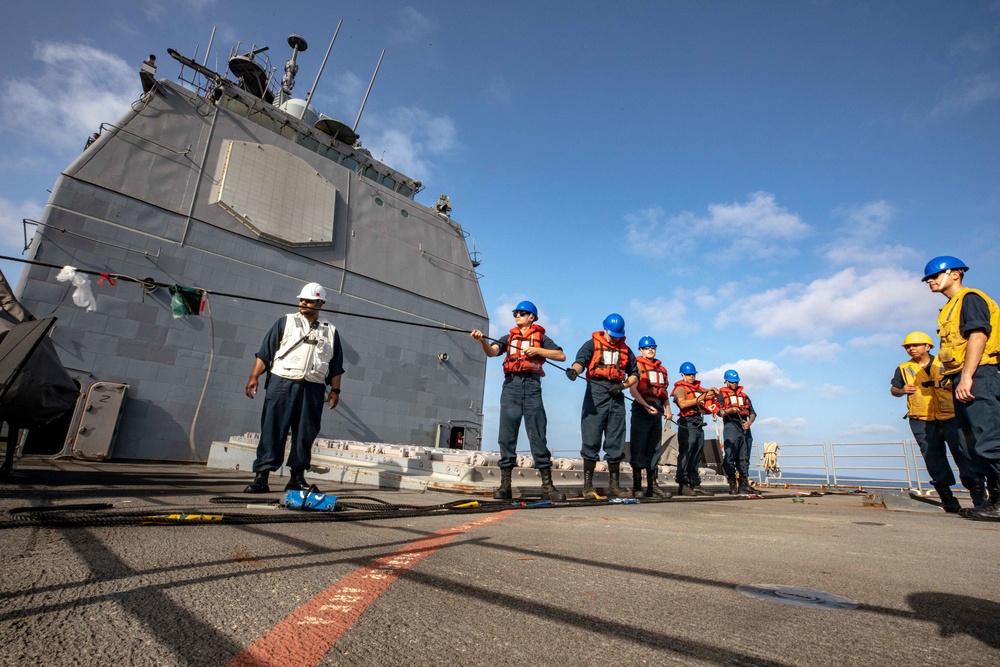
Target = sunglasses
(521,313)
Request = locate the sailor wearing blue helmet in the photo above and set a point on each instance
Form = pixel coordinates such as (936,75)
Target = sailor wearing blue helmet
(611,368)
(969,326)
(692,401)
(527,348)
(650,404)
(737,416)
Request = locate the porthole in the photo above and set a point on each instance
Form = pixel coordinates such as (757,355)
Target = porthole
(404,213)
(378,201)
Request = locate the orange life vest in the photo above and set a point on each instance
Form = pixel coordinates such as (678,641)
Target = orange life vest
(517,343)
(610,362)
(694,388)
(735,399)
(653,380)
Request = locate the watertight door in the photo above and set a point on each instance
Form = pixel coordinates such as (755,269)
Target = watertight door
(102,409)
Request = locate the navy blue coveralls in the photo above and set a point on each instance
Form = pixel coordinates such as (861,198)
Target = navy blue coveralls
(521,398)
(737,443)
(291,405)
(603,415)
(980,419)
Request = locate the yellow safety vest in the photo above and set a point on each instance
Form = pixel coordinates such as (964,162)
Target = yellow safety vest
(952,350)
(932,402)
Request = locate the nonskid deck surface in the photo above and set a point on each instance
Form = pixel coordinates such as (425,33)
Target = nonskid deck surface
(643,584)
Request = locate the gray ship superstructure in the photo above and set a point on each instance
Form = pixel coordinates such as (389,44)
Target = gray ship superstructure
(234,187)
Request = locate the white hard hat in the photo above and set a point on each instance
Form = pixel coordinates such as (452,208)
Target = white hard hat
(313,291)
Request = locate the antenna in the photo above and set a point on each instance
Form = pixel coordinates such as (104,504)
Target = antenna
(365,101)
(204,63)
(320,72)
(298,45)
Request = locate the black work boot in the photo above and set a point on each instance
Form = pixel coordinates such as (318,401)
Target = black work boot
(685,489)
(948,500)
(654,490)
(696,490)
(637,483)
(977,491)
(588,480)
(744,487)
(989,513)
(549,490)
(732,484)
(297,481)
(259,484)
(993,489)
(614,488)
(503,491)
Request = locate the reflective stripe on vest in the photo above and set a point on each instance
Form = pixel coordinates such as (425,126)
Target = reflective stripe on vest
(610,362)
(690,389)
(653,380)
(735,399)
(931,402)
(306,360)
(952,351)
(517,343)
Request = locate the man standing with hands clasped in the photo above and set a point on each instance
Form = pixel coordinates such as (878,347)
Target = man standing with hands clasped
(651,403)
(527,348)
(302,355)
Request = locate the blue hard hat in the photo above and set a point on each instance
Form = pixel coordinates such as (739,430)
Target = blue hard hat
(527,307)
(646,341)
(731,376)
(687,368)
(614,324)
(942,263)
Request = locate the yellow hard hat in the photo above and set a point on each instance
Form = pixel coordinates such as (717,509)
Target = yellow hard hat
(917,338)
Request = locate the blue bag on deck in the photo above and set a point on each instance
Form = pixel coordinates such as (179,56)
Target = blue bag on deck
(310,500)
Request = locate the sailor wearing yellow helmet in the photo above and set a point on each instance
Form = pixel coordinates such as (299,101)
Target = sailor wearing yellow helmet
(931,413)
(969,326)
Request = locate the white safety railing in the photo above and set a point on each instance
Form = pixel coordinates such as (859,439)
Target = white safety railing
(876,465)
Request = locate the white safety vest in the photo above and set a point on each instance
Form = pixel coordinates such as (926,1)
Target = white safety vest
(308,359)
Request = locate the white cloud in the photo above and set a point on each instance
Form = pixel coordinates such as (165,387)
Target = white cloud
(662,313)
(848,299)
(777,428)
(408,138)
(868,430)
(11,225)
(856,242)
(412,27)
(500,91)
(966,93)
(754,374)
(817,350)
(758,227)
(881,340)
(833,391)
(79,88)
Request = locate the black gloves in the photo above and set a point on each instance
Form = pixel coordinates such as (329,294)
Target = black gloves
(615,390)
(571,373)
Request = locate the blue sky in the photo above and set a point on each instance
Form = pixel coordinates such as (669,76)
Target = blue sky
(757,185)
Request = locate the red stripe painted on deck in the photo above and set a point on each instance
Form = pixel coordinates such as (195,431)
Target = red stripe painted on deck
(308,633)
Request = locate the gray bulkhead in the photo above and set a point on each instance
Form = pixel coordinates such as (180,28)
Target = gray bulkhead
(143,201)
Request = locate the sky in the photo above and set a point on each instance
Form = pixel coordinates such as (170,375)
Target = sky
(756,185)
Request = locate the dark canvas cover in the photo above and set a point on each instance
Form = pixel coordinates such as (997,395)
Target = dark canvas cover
(43,389)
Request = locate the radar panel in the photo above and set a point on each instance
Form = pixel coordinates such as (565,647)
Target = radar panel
(276,194)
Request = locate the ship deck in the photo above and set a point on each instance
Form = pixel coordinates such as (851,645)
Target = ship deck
(646,584)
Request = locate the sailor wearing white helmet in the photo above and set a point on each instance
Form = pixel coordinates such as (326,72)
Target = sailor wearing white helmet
(303,356)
